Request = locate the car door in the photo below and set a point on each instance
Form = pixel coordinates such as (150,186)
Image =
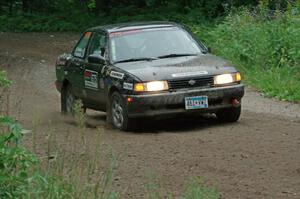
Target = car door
(78,64)
(94,79)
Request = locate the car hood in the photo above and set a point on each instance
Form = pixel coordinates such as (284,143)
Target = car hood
(177,68)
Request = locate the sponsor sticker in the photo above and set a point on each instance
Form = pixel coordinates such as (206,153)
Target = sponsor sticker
(129,32)
(188,74)
(117,75)
(121,33)
(128,86)
(87,35)
(91,79)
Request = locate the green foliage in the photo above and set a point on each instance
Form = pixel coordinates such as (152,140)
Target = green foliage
(4,82)
(15,161)
(196,190)
(265,47)
(77,15)
(22,177)
(210,8)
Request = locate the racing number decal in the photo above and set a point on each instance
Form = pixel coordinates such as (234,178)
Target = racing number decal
(91,79)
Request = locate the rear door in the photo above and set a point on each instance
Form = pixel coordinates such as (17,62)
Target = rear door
(94,79)
(78,64)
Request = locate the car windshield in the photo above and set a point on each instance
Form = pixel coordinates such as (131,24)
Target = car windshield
(150,44)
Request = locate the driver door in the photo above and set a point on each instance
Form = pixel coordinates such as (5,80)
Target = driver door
(77,66)
(94,79)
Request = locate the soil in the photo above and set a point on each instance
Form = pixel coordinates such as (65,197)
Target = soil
(258,157)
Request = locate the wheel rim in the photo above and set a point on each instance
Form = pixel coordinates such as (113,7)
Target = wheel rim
(69,101)
(117,113)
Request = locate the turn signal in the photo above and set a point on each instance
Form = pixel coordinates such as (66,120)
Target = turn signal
(238,77)
(139,87)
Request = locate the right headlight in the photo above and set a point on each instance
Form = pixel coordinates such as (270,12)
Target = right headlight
(227,78)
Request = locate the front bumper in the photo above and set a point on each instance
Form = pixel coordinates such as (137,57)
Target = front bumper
(172,103)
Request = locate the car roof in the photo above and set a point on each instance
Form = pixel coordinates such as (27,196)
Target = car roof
(133,26)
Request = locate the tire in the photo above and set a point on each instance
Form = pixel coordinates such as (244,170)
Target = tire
(229,115)
(67,100)
(119,114)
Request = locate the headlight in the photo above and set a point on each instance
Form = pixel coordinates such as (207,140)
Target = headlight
(227,78)
(151,86)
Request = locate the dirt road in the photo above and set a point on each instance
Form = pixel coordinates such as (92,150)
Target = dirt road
(258,157)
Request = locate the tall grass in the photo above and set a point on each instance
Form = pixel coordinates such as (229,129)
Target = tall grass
(57,175)
(265,46)
(64,174)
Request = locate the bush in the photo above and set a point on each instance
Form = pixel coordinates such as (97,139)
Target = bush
(14,162)
(21,175)
(265,47)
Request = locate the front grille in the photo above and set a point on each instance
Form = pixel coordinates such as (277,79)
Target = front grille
(191,83)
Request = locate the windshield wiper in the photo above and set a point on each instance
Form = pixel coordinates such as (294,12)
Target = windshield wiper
(137,59)
(176,55)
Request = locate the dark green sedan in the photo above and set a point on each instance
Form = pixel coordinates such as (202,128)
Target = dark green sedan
(148,69)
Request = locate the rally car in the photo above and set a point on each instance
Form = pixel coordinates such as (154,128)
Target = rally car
(147,69)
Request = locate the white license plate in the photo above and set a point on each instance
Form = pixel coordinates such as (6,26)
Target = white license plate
(197,102)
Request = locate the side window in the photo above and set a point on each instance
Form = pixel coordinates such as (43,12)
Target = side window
(98,44)
(82,45)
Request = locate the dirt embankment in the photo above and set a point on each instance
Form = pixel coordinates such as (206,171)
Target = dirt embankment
(259,157)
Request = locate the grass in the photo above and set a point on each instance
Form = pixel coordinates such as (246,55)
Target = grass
(196,190)
(72,172)
(264,47)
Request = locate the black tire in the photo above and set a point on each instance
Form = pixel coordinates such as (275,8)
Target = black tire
(229,114)
(119,114)
(67,100)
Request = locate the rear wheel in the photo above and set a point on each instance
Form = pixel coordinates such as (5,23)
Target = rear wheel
(119,115)
(229,114)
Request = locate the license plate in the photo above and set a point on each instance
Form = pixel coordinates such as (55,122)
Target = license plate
(197,102)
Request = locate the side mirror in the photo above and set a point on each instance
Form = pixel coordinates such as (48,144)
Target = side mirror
(96,59)
(209,50)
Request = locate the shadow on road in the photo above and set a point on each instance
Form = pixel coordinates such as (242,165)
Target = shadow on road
(152,125)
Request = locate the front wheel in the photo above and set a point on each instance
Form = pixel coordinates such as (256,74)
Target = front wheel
(67,100)
(229,114)
(118,110)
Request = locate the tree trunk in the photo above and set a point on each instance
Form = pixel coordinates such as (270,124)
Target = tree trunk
(25,5)
(102,6)
(10,7)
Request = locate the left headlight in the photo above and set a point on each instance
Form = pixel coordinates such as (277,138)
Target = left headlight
(227,78)
(151,86)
